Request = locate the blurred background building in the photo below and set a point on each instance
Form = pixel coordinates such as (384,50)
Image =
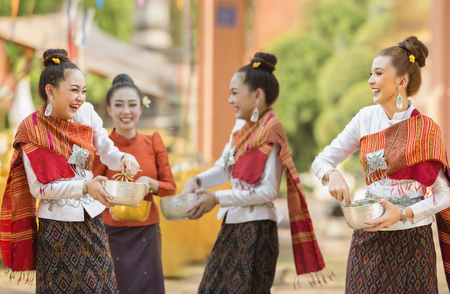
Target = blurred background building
(182,55)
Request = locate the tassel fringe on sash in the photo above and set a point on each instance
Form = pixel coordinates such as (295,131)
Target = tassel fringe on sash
(315,278)
(27,276)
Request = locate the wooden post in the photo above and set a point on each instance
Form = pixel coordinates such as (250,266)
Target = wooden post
(440,66)
(220,55)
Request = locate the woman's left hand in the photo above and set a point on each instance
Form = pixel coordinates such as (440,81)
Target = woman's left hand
(129,165)
(390,217)
(152,185)
(205,203)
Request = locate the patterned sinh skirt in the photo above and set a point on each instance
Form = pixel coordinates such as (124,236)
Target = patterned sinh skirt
(74,257)
(243,259)
(136,253)
(401,261)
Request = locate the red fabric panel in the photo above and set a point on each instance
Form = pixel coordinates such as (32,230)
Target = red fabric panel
(306,251)
(6,245)
(42,162)
(250,166)
(25,248)
(424,173)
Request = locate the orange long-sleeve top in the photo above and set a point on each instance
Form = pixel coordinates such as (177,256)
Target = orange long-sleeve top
(152,157)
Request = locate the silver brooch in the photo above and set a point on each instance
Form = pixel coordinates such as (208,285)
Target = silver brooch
(375,161)
(230,158)
(79,157)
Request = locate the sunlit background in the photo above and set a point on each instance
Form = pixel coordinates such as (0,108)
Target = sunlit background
(182,55)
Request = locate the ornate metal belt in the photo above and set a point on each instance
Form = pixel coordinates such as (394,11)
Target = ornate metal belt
(402,201)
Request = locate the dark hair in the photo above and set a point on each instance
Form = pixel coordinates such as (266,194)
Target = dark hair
(261,77)
(53,72)
(122,81)
(400,61)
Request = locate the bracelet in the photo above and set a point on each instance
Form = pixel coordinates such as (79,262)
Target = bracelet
(199,182)
(85,190)
(403,215)
(327,175)
(217,199)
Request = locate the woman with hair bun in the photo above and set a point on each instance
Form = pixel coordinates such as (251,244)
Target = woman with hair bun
(406,170)
(52,162)
(136,245)
(244,257)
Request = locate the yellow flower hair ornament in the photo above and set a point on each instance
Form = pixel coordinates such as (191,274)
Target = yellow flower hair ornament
(412,59)
(146,102)
(56,60)
(256,64)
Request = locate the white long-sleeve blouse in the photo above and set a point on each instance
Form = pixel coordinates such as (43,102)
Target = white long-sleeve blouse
(68,193)
(244,205)
(371,120)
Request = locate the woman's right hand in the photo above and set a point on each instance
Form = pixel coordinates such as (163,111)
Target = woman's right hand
(95,189)
(191,186)
(338,187)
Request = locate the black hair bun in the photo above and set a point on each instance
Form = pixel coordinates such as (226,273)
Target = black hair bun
(267,60)
(61,54)
(122,78)
(416,48)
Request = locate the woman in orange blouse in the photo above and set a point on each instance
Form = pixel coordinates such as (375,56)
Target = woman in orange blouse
(136,246)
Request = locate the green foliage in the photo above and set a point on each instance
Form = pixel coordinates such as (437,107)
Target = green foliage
(337,21)
(35,74)
(115,17)
(341,71)
(298,106)
(333,120)
(96,87)
(28,7)
(323,73)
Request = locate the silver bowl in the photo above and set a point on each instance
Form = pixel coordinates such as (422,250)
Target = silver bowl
(356,216)
(125,193)
(173,207)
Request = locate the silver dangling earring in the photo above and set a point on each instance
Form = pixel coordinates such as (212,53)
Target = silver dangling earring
(399,101)
(48,109)
(255,115)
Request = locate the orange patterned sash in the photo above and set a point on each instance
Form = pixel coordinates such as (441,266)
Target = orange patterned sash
(418,141)
(36,134)
(258,139)
(417,154)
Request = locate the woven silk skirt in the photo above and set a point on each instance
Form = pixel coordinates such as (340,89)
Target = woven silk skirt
(74,257)
(243,259)
(136,252)
(401,261)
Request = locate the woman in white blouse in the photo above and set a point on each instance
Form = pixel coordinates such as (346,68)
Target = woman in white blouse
(55,148)
(403,157)
(244,256)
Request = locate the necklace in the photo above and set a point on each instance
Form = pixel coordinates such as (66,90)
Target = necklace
(230,155)
(376,160)
(79,155)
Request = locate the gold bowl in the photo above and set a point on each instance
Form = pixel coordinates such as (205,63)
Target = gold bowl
(356,216)
(125,193)
(173,207)
(129,213)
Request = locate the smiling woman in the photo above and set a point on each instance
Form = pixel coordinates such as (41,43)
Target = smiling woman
(52,161)
(61,86)
(254,160)
(136,245)
(405,167)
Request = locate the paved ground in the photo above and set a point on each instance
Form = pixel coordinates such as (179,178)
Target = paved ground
(334,239)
